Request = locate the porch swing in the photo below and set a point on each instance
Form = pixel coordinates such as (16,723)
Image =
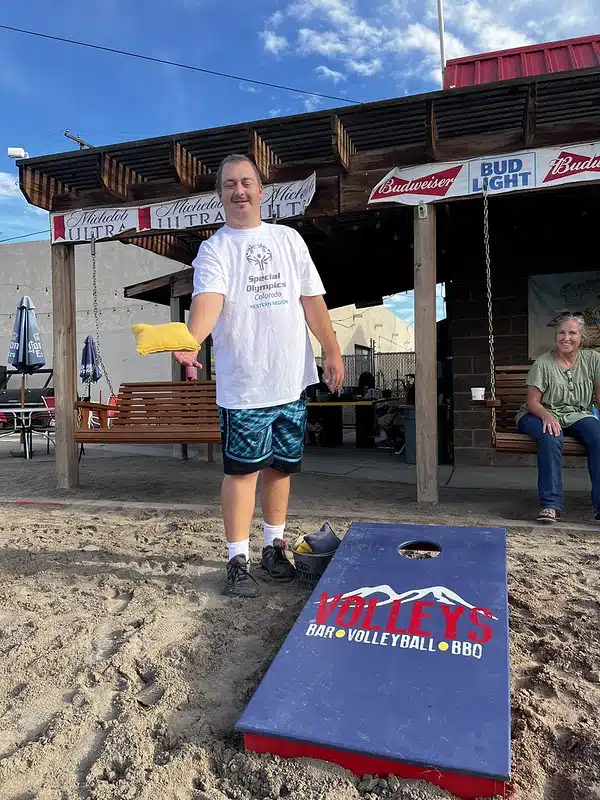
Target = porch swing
(508,388)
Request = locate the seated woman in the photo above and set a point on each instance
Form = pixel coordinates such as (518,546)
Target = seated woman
(560,388)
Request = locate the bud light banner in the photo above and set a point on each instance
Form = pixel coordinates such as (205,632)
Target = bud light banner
(533,169)
(280,201)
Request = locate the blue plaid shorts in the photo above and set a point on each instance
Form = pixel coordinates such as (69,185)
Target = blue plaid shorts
(256,438)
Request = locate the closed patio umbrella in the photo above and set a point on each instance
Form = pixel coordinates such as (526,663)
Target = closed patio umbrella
(90,366)
(26,353)
(90,370)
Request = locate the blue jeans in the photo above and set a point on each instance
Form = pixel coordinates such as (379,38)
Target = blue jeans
(549,457)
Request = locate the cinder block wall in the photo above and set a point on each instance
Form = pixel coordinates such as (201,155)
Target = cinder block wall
(467,311)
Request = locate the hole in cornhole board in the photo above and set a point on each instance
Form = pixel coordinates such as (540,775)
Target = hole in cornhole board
(419,550)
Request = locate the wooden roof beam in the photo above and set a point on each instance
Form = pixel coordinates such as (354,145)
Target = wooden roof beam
(343,146)
(262,156)
(187,166)
(117,178)
(41,190)
(167,245)
(431,133)
(530,116)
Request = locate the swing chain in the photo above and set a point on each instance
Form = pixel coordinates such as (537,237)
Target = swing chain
(488,277)
(95,296)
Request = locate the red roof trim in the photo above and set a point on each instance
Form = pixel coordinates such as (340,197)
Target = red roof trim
(594,40)
(569,55)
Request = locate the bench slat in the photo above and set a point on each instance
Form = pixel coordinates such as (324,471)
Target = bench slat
(518,443)
(159,436)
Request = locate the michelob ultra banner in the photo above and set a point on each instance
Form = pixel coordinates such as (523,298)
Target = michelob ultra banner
(280,200)
(513,172)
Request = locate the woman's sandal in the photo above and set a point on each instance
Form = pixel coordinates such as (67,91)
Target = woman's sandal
(548,515)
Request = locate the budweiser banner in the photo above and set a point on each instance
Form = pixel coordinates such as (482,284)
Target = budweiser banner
(533,169)
(280,200)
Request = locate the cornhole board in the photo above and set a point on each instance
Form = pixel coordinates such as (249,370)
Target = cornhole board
(398,665)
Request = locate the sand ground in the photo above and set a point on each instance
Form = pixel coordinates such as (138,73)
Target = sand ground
(124,669)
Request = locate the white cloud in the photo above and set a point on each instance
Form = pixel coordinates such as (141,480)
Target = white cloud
(366,68)
(311,103)
(328,43)
(274,112)
(18,216)
(330,74)
(275,19)
(274,43)
(391,37)
(486,26)
(9,185)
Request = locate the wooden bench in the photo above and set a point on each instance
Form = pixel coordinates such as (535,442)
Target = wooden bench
(511,394)
(163,412)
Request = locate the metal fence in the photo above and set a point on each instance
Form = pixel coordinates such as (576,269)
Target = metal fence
(391,369)
(388,369)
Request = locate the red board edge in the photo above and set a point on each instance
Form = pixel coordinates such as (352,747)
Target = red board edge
(467,787)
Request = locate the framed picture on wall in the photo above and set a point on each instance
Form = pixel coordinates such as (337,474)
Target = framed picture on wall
(550,295)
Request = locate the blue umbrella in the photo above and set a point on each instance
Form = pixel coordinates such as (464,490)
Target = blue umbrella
(26,353)
(90,366)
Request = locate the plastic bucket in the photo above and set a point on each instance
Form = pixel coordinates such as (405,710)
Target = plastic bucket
(310,567)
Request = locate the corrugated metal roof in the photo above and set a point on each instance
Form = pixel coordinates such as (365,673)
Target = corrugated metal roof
(523,62)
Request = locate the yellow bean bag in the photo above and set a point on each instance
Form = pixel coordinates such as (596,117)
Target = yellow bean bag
(165,338)
(302,546)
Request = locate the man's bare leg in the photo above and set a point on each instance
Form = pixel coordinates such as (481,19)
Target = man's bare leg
(274,496)
(238,498)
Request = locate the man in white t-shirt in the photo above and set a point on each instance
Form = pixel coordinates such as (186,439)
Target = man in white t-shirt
(256,289)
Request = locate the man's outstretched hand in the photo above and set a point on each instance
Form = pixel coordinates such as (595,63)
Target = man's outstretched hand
(189,362)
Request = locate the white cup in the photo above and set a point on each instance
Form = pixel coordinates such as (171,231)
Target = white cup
(478,394)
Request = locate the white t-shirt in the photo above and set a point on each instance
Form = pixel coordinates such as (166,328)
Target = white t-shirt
(262,349)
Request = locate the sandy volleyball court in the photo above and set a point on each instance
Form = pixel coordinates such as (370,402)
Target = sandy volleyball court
(124,669)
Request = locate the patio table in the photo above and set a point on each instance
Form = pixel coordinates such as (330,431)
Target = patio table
(23,422)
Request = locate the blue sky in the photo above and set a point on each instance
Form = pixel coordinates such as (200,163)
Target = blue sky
(360,49)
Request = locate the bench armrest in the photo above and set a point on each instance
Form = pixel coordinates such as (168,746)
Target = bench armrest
(100,409)
(93,406)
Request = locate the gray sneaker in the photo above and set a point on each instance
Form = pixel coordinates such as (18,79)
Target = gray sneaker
(239,581)
(276,563)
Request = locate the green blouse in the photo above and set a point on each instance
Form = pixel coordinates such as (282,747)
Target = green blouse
(566,393)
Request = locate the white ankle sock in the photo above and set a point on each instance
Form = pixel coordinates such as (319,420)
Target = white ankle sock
(239,549)
(272,532)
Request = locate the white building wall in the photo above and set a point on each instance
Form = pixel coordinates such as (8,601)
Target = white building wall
(25,270)
(363,326)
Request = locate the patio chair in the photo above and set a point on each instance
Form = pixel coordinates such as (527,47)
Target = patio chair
(43,422)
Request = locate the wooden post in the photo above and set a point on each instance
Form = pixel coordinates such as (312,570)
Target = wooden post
(65,363)
(426,355)
(177,373)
